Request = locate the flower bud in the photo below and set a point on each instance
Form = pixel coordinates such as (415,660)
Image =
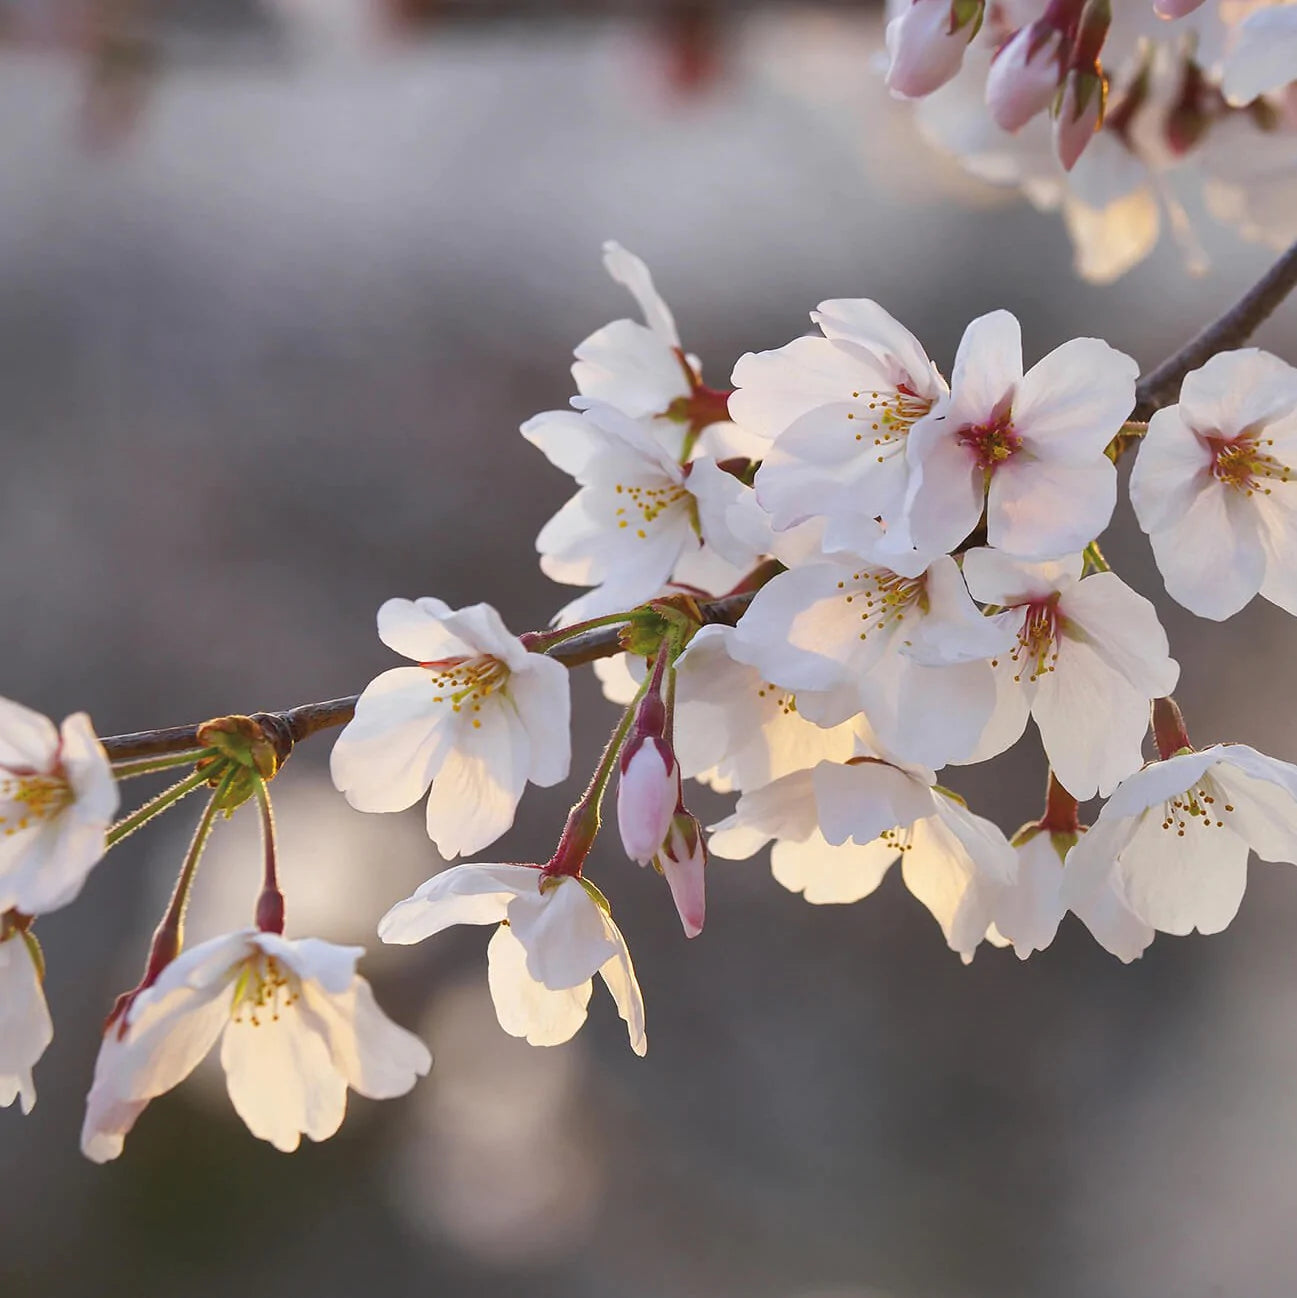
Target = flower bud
(926,44)
(1085,86)
(682,861)
(647,796)
(1025,76)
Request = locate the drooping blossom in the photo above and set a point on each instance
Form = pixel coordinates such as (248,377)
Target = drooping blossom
(1173,839)
(25,1026)
(839,827)
(647,793)
(838,409)
(1087,659)
(555,933)
(1027,70)
(640,519)
(926,44)
(476,718)
(1214,485)
(910,652)
(297,1026)
(683,863)
(57,801)
(1029,448)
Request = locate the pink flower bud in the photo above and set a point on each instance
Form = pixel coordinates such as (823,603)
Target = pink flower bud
(1025,75)
(927,42)
(1174,8)
(1079,115)
(682,860)
(647,796)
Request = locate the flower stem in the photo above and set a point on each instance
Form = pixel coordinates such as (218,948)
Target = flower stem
(1169,731)
(270,904)
(1060,809)
(148,765)
(543,641)
(156,806)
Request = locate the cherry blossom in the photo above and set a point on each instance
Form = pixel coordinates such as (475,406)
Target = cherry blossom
(1214,485)
(683,861)
(25,1026)
(57,801)
(1173,839)
(926,44)
(555,933)
(647,795)
(297,1027)
(1028,447)
(910,652)
(954,862)
(477,718)
(1088,657)
(838,409)
(640,519)
(1025,76)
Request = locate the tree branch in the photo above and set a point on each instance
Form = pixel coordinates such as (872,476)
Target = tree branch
(1161,387)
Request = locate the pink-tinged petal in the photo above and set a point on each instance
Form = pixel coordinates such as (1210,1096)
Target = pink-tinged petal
(564,933)
(1040,509)
(1236,390)
(947,487)
(988,368)
(862,323)
(475,795)
(686,877)
(388,754)
(281,1080)
(1029,911)
(526,1008)
(630,271)
(28,740)
(1092,722)
(1213,557)
(994,577)
(1264,57)
(542,695)
(1078,117)
(464,894)
(618,974)
(1024,76)
(828,875)
(647,793)
(1122,628)
(924,53)
(862,801)
(1173,466)
(1073,402)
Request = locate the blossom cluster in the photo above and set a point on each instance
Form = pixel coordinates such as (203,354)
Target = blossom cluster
(812,592)
(1114,111)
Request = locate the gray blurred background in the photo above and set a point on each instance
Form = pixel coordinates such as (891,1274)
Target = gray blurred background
(277,286)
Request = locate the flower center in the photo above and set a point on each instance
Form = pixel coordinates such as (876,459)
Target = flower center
(466,683)
(890,416)
(882,598)
(773,697)
(649,503)
(262,989)
(27,797)
(1245,463)
(994,441)
(1200,805)
(1036,649)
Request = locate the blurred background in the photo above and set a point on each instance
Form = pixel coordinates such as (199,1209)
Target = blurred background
(278,282)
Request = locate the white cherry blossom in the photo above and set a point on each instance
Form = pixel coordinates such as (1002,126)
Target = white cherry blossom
(926,44)
(838,409)
(555,933)
(839,827)
(640,520)
(910,652)
(25,1026)
(1030,448)
(477,718)
(1173,839)
(297,1027)
(734,729)
(1214,486)
(57,801)
(1088,657)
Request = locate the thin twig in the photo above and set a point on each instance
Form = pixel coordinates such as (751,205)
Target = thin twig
(1162,386)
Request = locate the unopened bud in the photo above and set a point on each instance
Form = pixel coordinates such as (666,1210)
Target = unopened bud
(683,861)
(926,44)
(1080,114)
(647,796)
(1025,75)
(242,740)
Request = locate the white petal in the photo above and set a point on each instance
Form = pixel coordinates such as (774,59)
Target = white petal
(998,578)
(618,974)
(829,875)
(1264,57)
(630,367)
(1029,911)
(28,740)
(564,932)
(464,894)
(416,629)
(861,801)
(542,695)
(629,271)
(25,1026)
(1172,467)
(863,323)
(1044,508)
(784,808)
(1072,403)
(988,367)
(1235,390)
(1122,628)
(527,1008)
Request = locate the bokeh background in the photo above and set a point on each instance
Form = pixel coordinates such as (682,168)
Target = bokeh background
(277,284)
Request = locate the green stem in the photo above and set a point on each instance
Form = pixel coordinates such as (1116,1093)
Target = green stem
(155,806)
(148,765)
(544,641)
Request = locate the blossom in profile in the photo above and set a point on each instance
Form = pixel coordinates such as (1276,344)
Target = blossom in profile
(1215,485)
(1029,448)
(1088,657)
(926,44)
(25,1026)
(57,801)
(297,1026)
(555,933)
(476,718)
(1173,840)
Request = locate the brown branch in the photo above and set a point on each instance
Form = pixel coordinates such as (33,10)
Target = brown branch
(295,724)
(1161,387)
